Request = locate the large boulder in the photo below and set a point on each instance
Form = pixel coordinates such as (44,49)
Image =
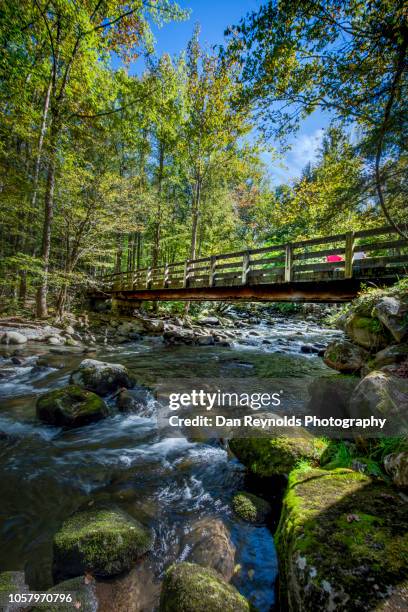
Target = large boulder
(276,455)
(395,353)
(101,377)
(342,543)
(209,544)
(393,314)
(368,332)
(71,406)
(345,356)
(188,587)
(396,465)
(104,542)
(83,589)
(137,401)
(251,508)
(12,582)
(13,337)
(330,395)
(383,395)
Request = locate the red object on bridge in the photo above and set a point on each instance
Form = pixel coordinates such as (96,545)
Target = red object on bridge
(331,258)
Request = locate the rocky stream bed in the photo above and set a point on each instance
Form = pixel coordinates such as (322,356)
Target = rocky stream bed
(96,500)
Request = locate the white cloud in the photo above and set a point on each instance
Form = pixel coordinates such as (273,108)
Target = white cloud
(304,150)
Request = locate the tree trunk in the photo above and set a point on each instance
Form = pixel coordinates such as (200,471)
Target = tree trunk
(42,310)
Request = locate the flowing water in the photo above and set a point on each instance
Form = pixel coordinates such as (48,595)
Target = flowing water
(47,473)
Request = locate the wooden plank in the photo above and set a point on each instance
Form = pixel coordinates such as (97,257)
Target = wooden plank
(245,267)
(322,240)
(377,246)
(320,266)
(319,254)
(267,260)
(376,231)
(288,263)
(348,257)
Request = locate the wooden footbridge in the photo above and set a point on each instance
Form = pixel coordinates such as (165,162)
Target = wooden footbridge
(303,271)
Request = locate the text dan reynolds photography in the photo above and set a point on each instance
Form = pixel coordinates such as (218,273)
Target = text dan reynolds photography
(204,306)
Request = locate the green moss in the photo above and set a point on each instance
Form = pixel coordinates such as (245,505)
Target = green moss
(104,542)
(371,324)
(10,581)
(250,507)
(71,406)
(188,587)
(269,456)
(342,541)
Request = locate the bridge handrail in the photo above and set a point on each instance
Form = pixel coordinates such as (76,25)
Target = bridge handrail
(286,261)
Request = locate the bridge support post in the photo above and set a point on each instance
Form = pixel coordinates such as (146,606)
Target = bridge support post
(245,267)
(148,278)
(211,278)
(185,275)
(348,255)
(288,263)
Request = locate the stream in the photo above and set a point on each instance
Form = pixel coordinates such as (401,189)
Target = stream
(167,483)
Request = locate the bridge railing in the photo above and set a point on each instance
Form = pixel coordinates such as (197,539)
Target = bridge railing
(352,254)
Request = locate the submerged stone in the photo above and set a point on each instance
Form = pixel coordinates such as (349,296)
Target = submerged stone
(104,542)
(70,407)
(342,543)
(209,544)
(188,587)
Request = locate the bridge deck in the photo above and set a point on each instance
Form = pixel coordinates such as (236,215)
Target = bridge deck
(297,271)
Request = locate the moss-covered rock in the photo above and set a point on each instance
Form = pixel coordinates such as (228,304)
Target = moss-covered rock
(383,395)
(276,455)
(12,582)
(104,542)
(251,508)
(392,311)
(101,377)
(345,356)
(188,587)
(367,332)
(395,353)
(71,407)
(83,592)
(396,465)
(342,542)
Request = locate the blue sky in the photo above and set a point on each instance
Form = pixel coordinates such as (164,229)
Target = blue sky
(214,17)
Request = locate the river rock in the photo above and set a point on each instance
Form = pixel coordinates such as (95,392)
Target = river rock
(188,587)
(209,544)
(251,508)
(341,543)
(396,465)
(330,395)
(55,340)
(13,337)
(12,582)
(393,313)
(211,321)
(205,340)
(103,542)
(276,455)
(154,326)
(85,598)
(70,406)
(395,353)
(367,332)
(136,401)
(179,336)
(345,356)
(134,591)
(384,395)
(101,377)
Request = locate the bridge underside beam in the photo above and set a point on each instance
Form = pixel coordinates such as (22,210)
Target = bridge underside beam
(339,290)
